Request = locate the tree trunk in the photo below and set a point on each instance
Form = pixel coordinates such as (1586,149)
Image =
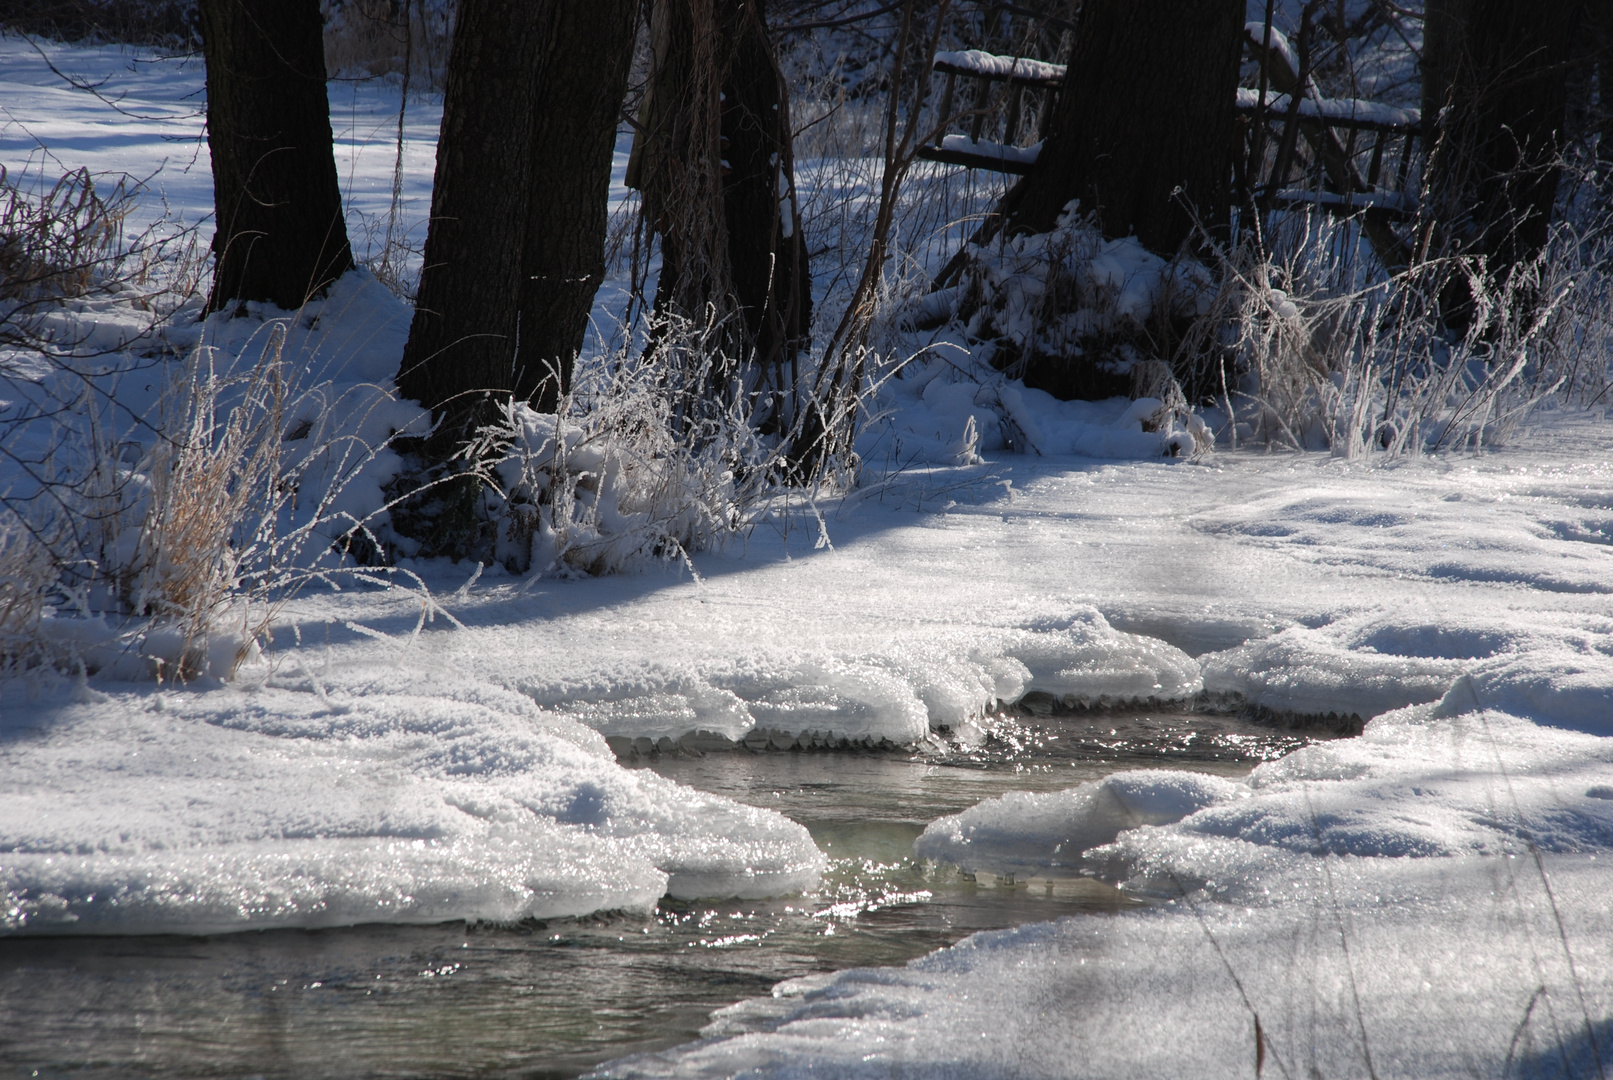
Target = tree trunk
(714,161)
(462,341)
(280,234)
(1495,93)
(766,253)
(514,253)
(582,82)
(1148,107)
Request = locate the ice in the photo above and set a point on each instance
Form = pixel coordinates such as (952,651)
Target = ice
(338,795)
(896,695)
(1032,834)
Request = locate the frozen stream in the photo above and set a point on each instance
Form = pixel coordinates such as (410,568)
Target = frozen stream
(555,999)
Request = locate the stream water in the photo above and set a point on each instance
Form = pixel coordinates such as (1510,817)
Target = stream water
(552,1000)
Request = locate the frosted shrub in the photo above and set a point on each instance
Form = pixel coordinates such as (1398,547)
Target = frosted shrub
(651,456)
(1063,292)
(1319,359)
(26,577)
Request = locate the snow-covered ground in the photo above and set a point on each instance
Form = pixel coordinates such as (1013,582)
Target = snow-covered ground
(1432,898)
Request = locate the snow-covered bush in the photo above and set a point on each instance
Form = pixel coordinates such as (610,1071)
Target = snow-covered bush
(1069,293)
(652,455)
(1322,356)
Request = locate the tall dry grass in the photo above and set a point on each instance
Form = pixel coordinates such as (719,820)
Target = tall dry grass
(1315,353)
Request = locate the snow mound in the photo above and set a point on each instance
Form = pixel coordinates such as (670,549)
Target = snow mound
(1026,833)
(352,795)
(1553,667)
(1418,783)
(1084,661)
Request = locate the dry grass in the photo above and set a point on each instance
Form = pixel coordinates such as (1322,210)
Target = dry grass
(377,38)
(59,243)
(641,463)
(1317,355)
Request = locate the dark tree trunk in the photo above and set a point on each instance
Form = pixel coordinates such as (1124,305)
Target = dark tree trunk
(582,82)
(766,254)
(1148,107)
(280,234)
(677,159)
(730,235)
(515,248)
(1495,91)
(462,341)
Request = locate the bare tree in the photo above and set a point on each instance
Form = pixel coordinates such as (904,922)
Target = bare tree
(573,136)
(713,159)
(280,232)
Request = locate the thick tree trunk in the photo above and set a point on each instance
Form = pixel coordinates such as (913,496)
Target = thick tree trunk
(515,249)
(1148,107)
(714,161)
(1495,91)
(766,254)
(462,341)
(280,232)
(583,79)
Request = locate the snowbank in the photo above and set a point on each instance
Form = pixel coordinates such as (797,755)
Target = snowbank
(332,796)
(1462,976)
(1550,667)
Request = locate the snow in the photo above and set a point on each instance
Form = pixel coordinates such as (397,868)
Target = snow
(979,62)
(1345,110)
(1029,834)
(1256,32)
(338,794)
(1019,155)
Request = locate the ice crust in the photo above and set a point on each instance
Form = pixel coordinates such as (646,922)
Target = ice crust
(331,797)
(896,696)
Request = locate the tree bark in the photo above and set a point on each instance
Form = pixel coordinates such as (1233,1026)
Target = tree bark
(280,234)
(583,79)
(462,341)
(766,254)
(1495,95)
(1148,107)
(714,161)
(514,253)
